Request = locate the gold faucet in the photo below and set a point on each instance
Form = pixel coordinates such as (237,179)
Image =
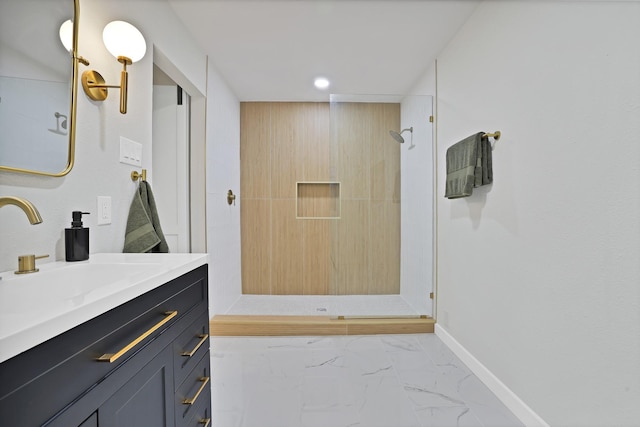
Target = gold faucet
(27,263)
(26,206)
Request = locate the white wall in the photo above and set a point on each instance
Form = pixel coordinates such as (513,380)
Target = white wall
(97,171)
(223,174)
(539,273)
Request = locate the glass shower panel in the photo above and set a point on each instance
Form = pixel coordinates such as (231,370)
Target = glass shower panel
(417,160)
(383,241)
(365,248)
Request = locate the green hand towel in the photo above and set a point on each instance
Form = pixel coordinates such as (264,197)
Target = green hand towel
(469,165)
(484,172)
(143,232)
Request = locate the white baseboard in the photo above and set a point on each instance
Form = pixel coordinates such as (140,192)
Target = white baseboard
(504,393)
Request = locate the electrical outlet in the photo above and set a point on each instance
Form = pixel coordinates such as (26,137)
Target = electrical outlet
(104,210)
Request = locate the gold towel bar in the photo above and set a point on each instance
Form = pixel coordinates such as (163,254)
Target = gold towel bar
(495,135)
(135,175)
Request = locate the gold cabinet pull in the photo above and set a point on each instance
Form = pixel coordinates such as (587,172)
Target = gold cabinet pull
(112,357)
(191,401)
(205,421)
(203,338)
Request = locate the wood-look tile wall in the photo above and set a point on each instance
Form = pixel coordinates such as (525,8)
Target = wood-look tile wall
(284,143)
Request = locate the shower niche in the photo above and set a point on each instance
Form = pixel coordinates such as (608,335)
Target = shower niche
(317,200)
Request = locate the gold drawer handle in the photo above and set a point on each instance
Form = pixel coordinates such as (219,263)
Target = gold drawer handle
(203,338)
(191,401)
(112,357)
(205,421)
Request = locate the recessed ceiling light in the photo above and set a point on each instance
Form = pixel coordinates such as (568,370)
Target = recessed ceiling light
(321,83)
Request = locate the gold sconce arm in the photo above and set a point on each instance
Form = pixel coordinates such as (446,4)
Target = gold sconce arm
(126,43)
(80,59)
(94,84)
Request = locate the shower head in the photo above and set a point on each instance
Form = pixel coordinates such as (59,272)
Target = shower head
(398,135)
(64,119)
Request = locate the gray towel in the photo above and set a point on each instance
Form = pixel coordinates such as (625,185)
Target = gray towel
(469,165)
(143,233)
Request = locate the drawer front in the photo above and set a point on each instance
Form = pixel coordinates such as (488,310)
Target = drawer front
(41,381)
(194,392)
(189,347)
(159,352)
(201,415)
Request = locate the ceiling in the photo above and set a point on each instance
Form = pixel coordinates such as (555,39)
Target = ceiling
(272,50)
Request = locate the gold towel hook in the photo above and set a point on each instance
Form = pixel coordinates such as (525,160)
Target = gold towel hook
(495,135)
(135,175)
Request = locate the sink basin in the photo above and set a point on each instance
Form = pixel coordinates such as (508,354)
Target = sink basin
(71,284)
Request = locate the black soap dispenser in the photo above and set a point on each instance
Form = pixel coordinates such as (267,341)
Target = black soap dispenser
(76,239)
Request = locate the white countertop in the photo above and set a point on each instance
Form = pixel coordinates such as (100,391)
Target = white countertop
(38,306)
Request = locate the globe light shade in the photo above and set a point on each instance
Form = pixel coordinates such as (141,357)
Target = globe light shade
(123,39)
(66,34)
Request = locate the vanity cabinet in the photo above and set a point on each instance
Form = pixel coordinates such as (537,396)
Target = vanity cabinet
(144,363)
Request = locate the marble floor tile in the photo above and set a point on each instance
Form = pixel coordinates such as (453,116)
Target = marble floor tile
(273,402)
(384,404)
(453,416)
(347,381)
(227,418)
(484,404)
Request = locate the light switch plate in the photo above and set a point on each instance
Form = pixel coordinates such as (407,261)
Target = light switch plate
(130,152)
(104,210)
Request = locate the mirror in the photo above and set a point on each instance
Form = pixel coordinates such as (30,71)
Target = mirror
(38,87)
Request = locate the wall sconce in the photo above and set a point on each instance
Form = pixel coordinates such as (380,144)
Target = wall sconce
(127,44)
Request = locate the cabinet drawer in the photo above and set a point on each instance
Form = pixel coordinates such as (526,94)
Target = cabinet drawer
(194,392)
(201,415)
(43,380)
(189,347)
(159,352)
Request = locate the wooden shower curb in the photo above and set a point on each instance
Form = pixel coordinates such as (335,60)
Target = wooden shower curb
(241,325)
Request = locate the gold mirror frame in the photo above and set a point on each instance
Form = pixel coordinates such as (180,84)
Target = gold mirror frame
(74,99)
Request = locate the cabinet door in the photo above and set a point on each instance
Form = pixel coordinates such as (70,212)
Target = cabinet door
(145,400)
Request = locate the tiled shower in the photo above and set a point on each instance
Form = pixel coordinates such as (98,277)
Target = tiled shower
(322,210)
